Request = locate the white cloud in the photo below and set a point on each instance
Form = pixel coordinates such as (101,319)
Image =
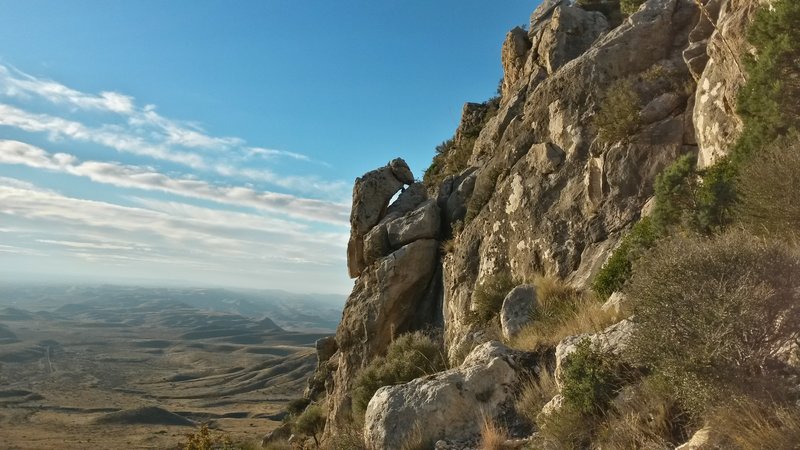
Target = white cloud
(16,83)
(109,136)
(15,152)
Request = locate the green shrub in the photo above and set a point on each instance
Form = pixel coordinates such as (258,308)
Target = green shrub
(771,207)
(675,192)
(712,312)
(311,423)
(410,356)
(769,102)
(617,270)
(618,118)
(630,6)
(488,296)
(590,379)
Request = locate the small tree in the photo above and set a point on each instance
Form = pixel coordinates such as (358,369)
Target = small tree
(311,422)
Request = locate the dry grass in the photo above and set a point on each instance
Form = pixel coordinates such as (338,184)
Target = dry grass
(648,417)
(561,311)
(750,425)
(346,438)
(493,436)
(536,393)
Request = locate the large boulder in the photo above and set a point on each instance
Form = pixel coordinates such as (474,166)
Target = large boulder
(517,310)
(447,405)
(422,223)
(371,195)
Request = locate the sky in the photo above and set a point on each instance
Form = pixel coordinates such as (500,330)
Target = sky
(215,143)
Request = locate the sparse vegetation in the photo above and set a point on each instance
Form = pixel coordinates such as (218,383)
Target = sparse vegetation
(713,311)
(410,356)
(535,393)
(747,424)
(630,6)
(768,102)
(452,155)
(648,417)
(205,439)
(488,296)
(771,208)
(618,118)
(617,270)
(493,436)
(590,378)
(311,423)
(561,311)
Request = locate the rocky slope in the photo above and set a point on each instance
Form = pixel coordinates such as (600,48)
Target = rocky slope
(540,189)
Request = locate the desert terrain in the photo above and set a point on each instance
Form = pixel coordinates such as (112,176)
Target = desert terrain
(111,367)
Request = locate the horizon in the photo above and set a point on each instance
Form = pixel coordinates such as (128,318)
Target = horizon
(206,145)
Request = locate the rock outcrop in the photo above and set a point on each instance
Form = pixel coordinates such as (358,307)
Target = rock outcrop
(535,189)
(394,251)
(450,404)
(371,195)
(557,198)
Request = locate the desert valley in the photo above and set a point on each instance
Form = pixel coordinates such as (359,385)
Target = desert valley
(116,367)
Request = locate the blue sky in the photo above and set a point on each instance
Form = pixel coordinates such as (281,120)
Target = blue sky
(214,142)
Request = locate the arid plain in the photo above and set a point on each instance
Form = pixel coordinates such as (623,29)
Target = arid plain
(111,367)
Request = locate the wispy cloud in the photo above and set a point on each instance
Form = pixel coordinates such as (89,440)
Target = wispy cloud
(127,176)
(18,84)
(204,232)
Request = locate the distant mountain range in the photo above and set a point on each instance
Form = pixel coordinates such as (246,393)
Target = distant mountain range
(289,311)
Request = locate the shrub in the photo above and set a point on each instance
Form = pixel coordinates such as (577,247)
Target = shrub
(619,116)
(488,296)
(590,379)
(768,102)
(675,192)
(310,422)
(297,406)
(771,207)
(565,428)
(410,356)
(630,6)
(204,439)
(712,312)
(647,417)
(617,270)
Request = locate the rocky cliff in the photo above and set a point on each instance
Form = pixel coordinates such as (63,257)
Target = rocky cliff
(544,184)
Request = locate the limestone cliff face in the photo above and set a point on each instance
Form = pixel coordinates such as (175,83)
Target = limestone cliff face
(543,193)
(559,196)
